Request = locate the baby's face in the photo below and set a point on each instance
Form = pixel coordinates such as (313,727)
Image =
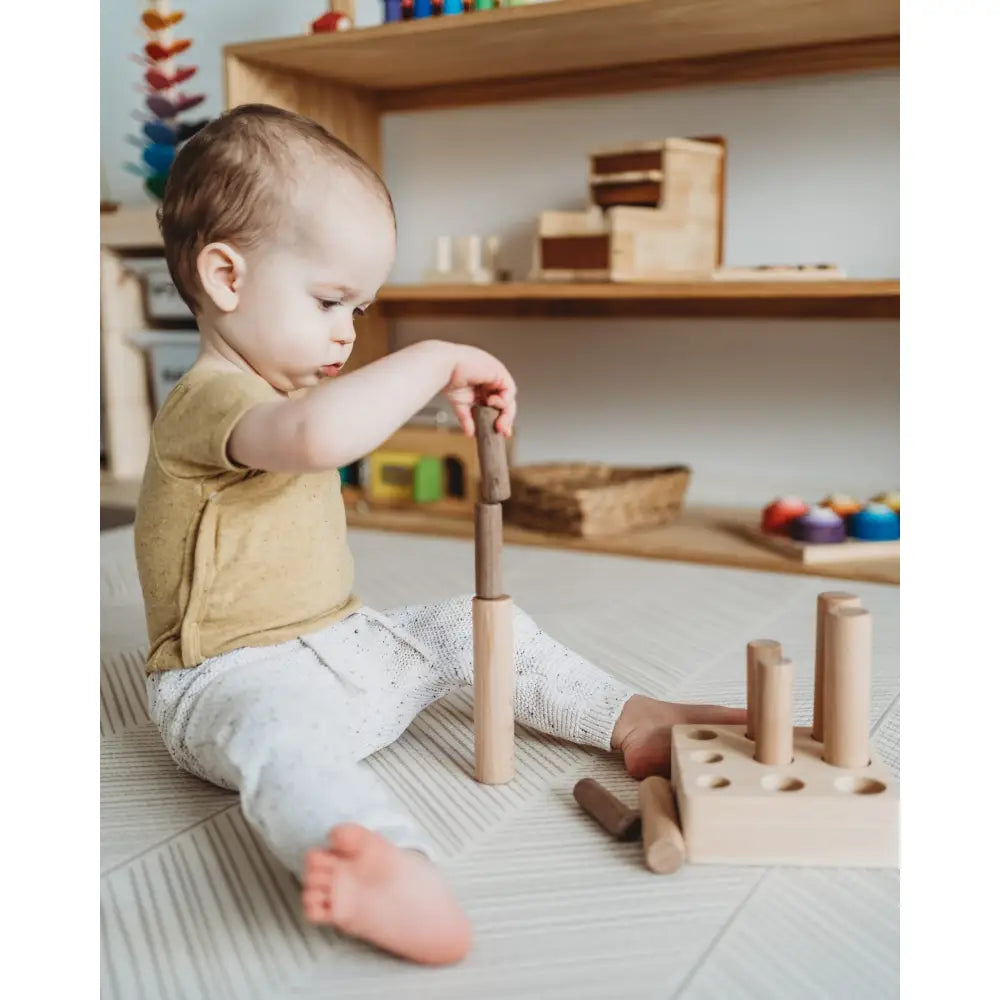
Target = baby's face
(295,319)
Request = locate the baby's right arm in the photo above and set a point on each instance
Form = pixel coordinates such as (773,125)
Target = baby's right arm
(342,420)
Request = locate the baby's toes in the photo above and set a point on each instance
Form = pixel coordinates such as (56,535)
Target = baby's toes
(319,864)
(316,905)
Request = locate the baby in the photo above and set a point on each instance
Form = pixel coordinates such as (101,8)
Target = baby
(266,673)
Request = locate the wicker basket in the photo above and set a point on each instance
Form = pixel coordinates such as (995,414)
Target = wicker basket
(587,500)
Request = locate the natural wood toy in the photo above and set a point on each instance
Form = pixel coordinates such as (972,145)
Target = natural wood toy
(780,795)
(662,841)
(655,214)
(607,810)
(492,613)
(655,820)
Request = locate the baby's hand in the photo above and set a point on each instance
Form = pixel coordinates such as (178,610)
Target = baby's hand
(478,378)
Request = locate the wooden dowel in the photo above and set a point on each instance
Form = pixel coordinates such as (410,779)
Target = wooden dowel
(662,841)
(848,682)
(774,712)
(825,603)
(489,546)
(493,688)
(494,483)
(610,812)
(758,651)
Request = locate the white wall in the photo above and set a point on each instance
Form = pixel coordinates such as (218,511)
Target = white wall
(756,408)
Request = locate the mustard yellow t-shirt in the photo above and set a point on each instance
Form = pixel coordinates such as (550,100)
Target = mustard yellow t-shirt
(229,556)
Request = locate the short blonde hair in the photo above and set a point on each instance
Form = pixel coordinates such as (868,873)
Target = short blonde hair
(225,184)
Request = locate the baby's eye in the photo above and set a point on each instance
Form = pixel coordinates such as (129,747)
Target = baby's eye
(327,304)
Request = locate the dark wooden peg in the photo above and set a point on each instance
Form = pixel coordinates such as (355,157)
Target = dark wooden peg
(494,484)
(489,546)
(609,812)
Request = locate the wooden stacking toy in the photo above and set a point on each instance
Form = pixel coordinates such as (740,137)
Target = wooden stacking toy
(772,794)
(492,613)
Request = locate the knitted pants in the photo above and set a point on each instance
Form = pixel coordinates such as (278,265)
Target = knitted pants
(288,726)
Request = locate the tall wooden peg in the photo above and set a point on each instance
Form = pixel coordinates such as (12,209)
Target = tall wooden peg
(492,615)
(774,712)
(758,651)
(825,603)
(848,684)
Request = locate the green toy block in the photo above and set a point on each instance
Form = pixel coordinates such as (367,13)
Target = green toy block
(428,480)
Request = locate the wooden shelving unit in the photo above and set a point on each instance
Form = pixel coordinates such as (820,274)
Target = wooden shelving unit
(570,48)
(575,48)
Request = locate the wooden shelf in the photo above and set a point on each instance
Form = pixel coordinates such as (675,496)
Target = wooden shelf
(577,47)
(841,299)
(709,535)
(130,228)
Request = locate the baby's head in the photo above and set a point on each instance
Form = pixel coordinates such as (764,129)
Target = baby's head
(276,235)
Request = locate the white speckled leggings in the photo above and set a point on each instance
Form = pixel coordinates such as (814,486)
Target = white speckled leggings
(288,726)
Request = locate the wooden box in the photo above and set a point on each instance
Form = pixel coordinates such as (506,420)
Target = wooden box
(656,214)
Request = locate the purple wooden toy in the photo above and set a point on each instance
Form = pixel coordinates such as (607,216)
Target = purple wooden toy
(818,526)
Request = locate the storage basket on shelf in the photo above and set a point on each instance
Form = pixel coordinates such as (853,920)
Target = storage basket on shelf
(588,499)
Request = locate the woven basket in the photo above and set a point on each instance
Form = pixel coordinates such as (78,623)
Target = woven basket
(586,499)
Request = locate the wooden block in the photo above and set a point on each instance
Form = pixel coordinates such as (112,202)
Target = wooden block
(847,686)
(735,810)
(774,712)
(609,812)
(662,842)
(489,548)
(758,651)
(825,603)
(850,550)
(494,484)
(493,688)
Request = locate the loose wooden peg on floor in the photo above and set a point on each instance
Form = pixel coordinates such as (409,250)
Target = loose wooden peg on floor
(608,811)
(662,841)
(758,651)
(494,484)
(825,603)
(775,732)
(848,682)
(489,546)
(493,688)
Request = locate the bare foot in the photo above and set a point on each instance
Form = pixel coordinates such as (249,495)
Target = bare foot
(367,887)
(642,732)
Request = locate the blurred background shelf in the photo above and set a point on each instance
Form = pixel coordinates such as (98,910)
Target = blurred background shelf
(565,49)
(841,299)
(707,535)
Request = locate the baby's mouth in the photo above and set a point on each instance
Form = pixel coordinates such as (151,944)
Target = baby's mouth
(331,370)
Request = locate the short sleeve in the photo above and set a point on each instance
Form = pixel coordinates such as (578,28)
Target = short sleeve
(192,430)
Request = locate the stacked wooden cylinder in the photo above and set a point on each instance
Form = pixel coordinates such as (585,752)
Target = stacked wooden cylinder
(492,613)
(841,694)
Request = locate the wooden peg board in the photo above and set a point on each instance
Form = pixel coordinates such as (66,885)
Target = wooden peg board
(737,811)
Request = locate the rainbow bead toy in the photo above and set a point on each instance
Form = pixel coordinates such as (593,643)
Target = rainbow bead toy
(818,526)
(780,513)
(875,523)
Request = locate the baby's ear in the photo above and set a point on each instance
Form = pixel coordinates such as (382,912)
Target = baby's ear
(221,270)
